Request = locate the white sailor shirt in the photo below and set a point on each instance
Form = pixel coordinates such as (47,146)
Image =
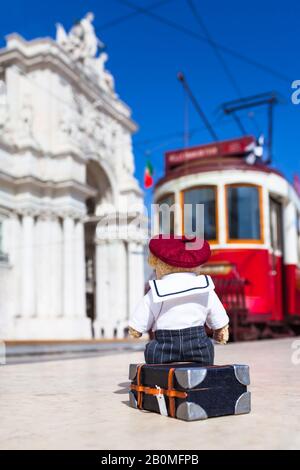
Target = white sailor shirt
(178,301)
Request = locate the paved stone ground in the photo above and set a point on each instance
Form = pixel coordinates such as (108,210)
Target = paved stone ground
(82,404)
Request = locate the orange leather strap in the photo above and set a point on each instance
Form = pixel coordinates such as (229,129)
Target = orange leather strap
(157,391)
(170,392)
(140,392)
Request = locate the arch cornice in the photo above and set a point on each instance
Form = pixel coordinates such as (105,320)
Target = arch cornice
(34,54)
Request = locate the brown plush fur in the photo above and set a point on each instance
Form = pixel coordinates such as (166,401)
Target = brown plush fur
(162,268)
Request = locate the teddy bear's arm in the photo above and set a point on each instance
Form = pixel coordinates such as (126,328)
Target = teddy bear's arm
(217,318)
(142,319)
(221,335)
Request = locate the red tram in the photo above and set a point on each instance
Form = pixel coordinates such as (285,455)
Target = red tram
(252,221)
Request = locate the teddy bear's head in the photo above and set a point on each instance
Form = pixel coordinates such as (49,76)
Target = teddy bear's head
(177,254)
(161,268)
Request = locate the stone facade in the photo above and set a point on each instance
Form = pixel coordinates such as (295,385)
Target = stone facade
(65,161)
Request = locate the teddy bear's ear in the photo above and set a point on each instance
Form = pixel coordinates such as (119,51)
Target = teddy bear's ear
(152,260)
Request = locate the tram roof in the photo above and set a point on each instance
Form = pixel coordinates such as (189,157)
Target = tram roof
(216,156)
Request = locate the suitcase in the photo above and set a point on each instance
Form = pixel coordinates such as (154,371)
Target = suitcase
(188,391)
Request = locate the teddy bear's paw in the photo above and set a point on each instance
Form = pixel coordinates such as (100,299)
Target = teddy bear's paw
(134,333)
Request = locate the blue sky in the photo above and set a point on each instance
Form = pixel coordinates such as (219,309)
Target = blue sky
(145,56)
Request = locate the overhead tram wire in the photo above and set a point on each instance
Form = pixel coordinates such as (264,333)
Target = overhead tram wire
(158,138)
(218,122)
(220,58)
(264,99)
(172,25)
(197,107)
(214,46)
(146,151)
(187,31)
(129,16)
(176,136)
(223,62)
(186,120)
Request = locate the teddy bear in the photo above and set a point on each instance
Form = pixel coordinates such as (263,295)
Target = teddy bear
(179,303)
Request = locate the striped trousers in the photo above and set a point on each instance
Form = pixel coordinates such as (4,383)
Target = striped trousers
(186,345)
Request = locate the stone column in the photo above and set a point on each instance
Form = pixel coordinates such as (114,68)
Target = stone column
(79,270)
(111,288)
(5,235)
(135,275)
(68,267)
(15,258)
(119,287)
(43,248)
(56,268)
(27,265)
(102,288)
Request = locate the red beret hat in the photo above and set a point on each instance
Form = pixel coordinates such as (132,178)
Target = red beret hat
(180,251)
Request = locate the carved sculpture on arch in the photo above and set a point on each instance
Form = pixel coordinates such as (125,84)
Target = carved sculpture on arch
(82,45)
(6,133)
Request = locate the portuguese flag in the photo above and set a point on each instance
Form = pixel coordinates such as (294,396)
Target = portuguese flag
(148,178)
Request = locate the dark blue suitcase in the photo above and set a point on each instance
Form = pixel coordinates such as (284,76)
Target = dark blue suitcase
(188,391)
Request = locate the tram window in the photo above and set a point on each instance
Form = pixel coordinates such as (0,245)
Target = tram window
(276,225)
(166,217)
(207,197)
(243,213)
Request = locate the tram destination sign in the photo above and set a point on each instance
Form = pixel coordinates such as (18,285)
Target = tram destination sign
(225,148)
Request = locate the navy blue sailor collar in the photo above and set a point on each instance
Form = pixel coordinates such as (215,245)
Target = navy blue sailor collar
(178,285)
